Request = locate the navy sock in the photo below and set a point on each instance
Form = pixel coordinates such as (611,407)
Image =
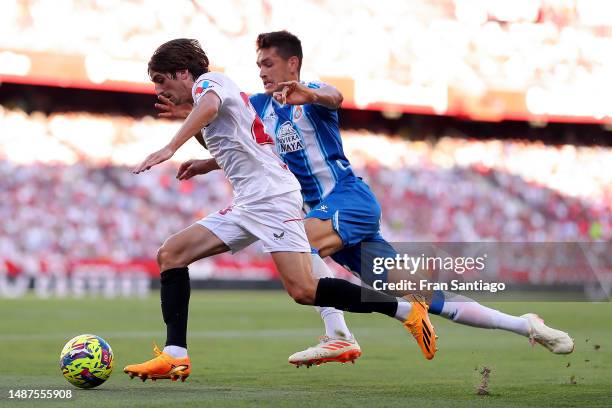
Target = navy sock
(345,295)
(437,302)
(175,292)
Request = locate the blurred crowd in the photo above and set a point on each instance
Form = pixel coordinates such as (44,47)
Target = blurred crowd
(67,188)
(454,189)
(86,210)
(471,45)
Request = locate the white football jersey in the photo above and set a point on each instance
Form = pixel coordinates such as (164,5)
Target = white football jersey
(237,140)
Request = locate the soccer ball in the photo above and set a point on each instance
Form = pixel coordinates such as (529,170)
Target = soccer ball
(86,361)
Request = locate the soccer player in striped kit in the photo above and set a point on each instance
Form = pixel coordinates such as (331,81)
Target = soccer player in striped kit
(343,214)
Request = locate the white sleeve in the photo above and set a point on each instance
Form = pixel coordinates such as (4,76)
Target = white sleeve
(209,82)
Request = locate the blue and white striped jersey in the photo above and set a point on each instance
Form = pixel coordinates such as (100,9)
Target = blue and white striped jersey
(307,138)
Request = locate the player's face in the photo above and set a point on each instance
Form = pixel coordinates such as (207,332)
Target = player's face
(274,69)
(177,89)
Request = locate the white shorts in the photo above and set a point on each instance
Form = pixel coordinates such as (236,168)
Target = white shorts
(278,222)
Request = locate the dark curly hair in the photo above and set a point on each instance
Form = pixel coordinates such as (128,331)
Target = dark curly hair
(179,54)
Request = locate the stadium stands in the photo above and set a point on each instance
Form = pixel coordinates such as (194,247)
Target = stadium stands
(67,188)
(477,57)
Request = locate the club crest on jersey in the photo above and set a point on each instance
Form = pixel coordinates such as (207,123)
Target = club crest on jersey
(288,139)
(297,113)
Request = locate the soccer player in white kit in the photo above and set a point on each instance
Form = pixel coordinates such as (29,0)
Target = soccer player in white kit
(267,206)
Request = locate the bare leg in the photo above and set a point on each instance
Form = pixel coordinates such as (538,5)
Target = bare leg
(181,249)
(189,245)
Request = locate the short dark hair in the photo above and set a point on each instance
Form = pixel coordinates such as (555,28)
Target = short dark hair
(287,44)
(179,54)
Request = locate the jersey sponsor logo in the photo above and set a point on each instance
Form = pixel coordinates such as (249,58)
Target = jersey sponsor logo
(279,236)
(288,139)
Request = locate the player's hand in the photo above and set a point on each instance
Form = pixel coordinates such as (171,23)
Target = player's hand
(192,168)
(294,93)
(154,159)
(170,110)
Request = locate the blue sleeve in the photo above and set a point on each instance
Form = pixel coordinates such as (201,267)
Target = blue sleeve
(322,111)
(325,113)
(259,102)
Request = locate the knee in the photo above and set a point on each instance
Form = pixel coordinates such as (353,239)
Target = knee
(167,257)
(303,295)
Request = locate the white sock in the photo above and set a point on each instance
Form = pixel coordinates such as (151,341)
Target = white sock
(464,310)
(403,309)
(335,326)
(176,351)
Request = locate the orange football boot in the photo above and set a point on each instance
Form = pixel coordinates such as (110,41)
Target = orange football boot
(419,325)
(163,366)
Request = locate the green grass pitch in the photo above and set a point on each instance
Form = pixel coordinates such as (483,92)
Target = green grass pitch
(239,343)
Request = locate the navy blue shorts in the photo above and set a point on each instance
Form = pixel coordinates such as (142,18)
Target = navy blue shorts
(355,214)
(353,209)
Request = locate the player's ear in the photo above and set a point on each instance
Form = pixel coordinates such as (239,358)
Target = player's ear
(182,74)
(294,63)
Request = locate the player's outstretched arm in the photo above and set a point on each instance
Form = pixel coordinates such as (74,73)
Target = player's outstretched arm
(204,113)
(194,167)
(296,93)
(170,110)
